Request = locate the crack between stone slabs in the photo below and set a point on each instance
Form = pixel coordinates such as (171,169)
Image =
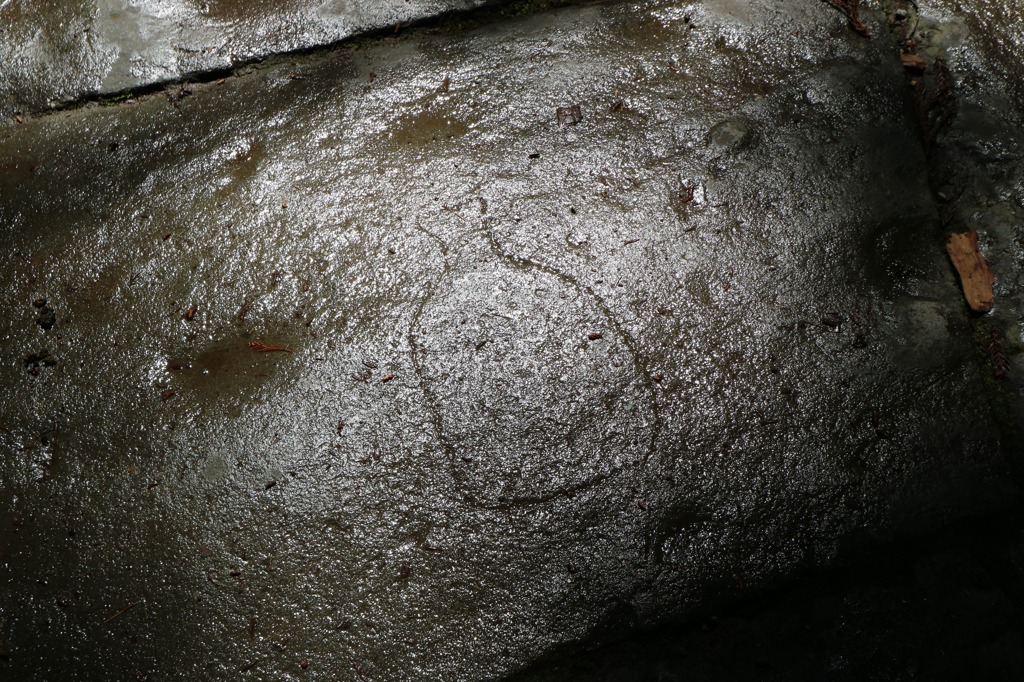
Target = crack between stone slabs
(493,12)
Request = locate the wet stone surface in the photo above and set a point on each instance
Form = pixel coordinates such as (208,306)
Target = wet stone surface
(372,365)
(976,160)
(52,53)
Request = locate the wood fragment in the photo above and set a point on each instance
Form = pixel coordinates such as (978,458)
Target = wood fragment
(944,83)
(913,62)
(976,277)
(942,102)
(997,354)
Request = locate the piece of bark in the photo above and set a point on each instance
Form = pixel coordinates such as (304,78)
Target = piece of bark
(975,276)
(913,62)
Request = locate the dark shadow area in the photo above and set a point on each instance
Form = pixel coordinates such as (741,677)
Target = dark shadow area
(945,606)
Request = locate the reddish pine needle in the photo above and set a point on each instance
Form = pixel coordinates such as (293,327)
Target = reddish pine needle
(261,347)
(120,613)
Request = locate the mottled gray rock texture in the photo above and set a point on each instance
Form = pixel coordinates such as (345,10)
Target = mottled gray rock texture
(547,377)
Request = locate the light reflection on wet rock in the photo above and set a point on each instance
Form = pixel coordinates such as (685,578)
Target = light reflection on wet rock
(531,401)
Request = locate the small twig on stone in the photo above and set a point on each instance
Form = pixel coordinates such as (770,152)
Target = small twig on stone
(851,8)
(120,613)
